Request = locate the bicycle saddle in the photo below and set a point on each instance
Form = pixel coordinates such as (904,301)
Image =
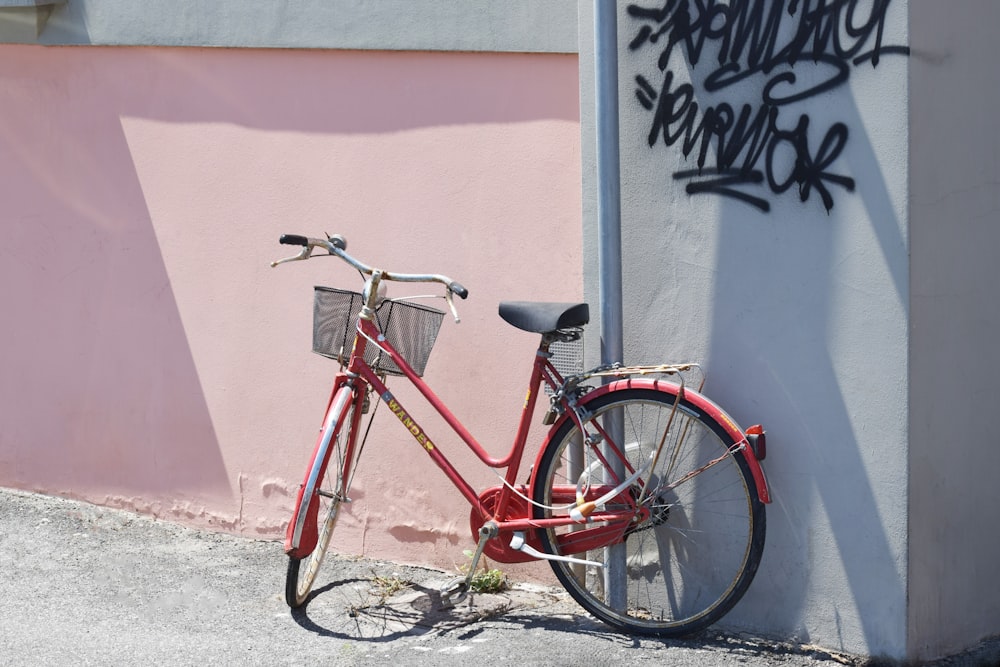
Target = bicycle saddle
(539,317)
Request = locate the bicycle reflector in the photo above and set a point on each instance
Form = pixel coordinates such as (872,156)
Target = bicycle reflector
(758,441)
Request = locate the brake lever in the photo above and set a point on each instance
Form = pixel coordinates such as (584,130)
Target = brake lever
(450,298)
(303,254)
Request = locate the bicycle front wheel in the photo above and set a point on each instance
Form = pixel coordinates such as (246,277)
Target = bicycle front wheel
(694,528)
(332,472)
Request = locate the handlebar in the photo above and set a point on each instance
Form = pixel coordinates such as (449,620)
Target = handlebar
(337,245)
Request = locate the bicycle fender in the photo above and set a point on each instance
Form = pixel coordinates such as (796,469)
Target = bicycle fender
(693,398)
(301,535)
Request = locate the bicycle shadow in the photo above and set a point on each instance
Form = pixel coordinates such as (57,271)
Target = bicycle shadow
(351,609)
(348,610)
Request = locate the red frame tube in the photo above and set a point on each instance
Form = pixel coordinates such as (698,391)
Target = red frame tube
(512,461)
(542,370)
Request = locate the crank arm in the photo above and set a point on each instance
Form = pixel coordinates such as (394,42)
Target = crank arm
(456,590)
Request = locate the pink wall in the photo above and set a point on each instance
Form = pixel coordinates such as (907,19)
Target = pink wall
(152,360)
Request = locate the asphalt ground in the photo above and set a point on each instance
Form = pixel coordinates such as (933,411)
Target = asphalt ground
(88,585)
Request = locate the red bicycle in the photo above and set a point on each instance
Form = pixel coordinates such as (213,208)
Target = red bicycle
(645,497)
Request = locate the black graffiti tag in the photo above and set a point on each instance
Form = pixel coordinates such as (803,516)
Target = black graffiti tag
(739,148)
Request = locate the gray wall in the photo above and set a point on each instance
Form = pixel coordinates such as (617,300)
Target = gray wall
(466,25)
(954,512)
(799,314)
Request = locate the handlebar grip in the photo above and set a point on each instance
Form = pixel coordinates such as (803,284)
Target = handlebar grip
(293,239)
(458,289)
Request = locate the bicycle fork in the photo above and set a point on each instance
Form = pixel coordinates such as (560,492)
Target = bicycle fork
(301,537)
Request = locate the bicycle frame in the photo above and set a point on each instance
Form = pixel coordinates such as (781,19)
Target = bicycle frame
(505,508)
(542,371)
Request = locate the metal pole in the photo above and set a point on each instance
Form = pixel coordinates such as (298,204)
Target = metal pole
(609,247)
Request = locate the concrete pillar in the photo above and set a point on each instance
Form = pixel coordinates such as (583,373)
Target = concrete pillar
(809,210)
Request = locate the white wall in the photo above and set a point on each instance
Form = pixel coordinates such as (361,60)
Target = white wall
(799,315)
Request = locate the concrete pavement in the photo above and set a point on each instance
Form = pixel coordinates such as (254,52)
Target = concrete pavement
(88,585)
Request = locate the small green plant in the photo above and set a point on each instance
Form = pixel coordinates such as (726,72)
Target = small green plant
(489,580)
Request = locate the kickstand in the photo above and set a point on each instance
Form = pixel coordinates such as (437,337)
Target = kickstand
(456,590)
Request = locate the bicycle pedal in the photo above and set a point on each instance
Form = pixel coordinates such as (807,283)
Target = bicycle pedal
(454,592)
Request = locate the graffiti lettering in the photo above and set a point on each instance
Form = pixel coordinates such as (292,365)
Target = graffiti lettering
(741,147)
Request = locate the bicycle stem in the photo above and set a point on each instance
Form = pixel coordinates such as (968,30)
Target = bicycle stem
(370,294)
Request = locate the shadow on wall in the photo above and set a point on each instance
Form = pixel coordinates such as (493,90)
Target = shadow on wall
(353,92)
(838,454)
(807,283)
(99,390)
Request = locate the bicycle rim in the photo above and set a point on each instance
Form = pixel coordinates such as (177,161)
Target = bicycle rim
(691,553)
(331,493)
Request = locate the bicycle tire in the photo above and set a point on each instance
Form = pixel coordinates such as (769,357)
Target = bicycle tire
(693,555)
(334,477)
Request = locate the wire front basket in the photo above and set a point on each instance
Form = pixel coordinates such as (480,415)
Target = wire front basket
(409,327)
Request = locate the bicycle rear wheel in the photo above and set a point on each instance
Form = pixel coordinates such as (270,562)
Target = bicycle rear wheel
(331,472)
(691,546)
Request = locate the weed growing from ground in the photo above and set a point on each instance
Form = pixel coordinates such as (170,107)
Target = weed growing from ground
(488,580)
